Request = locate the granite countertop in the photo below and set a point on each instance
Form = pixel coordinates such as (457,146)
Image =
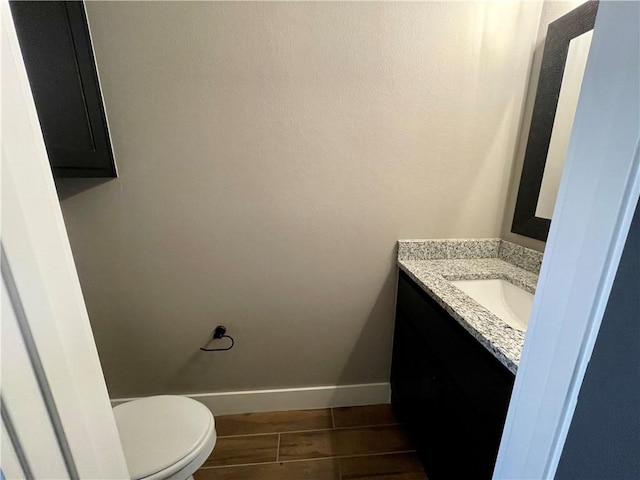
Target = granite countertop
(433,263)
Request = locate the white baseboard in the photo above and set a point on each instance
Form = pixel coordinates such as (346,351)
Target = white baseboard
(226,403)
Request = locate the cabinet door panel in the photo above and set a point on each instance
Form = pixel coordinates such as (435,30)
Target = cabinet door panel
(453,394)
(419,395)
(453,442)
(481,378)
(56,47)
(415,374)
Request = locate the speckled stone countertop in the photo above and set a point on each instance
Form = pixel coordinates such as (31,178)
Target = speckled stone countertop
(432,264)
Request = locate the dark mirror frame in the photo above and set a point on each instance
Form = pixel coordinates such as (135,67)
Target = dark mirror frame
(559,34)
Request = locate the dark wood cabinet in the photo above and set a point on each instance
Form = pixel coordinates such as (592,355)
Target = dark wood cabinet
(448,390)
(56,47)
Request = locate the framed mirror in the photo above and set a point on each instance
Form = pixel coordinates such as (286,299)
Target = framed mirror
(564,59)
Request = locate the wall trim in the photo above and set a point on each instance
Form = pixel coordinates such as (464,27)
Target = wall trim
(251,401)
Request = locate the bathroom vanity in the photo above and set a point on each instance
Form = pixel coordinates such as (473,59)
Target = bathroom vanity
(454,360)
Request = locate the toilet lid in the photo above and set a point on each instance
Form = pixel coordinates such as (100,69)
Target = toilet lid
(157,432)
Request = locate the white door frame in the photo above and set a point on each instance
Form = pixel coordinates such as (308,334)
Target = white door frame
(597,197)
(46,282)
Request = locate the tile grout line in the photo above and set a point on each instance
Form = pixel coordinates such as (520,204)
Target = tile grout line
(311,430)
(295,460)
(352,455)
(333,420)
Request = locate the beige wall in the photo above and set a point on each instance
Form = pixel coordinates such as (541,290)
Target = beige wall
(270,155)
(551,10)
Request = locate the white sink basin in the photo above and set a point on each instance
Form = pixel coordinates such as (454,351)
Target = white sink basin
(503,299)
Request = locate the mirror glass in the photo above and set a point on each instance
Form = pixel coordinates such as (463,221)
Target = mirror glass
(563,123)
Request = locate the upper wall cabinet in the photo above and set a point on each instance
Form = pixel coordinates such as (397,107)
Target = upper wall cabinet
(56,47)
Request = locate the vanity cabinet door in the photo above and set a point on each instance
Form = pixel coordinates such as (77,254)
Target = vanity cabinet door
(416,377)
(419,393)
(481,378)
(450,437)
(58,55)
(447,389)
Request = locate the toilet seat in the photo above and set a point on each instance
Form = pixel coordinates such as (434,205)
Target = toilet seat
(164,435)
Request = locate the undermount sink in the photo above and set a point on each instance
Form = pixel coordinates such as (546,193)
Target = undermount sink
(506,301)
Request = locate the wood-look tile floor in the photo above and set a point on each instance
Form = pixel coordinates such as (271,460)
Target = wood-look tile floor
(351,443)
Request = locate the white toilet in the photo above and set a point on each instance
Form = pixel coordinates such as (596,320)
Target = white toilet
(165,437)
